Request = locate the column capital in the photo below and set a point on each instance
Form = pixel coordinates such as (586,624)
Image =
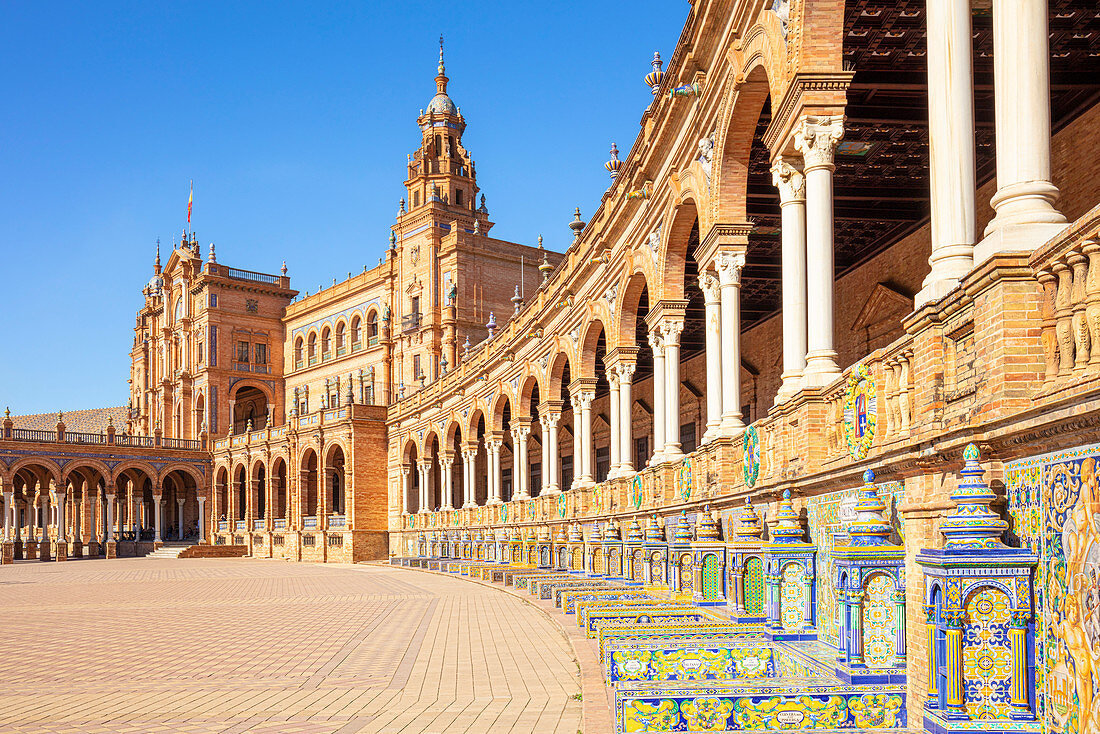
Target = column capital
(789,180)
(671,330)
(550,419)
(656,343)
(816,138)
(709,284)
(729,264)
(625,371)
(520,431)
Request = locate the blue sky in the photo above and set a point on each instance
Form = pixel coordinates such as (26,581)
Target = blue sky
(294,120)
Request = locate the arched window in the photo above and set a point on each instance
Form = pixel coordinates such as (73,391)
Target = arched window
(356,334)
(179,308)
(312,348)
(326,342)
(372,328)
(438,145)
(340,346)
(298,353)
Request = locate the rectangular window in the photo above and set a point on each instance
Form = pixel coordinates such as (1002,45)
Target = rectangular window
(458,197)
(535,473)
(242,351)
(566,472)
(213,300)
(687,437)
(603,463)
(213,346)
(416,366)
(641,452)
(260,353)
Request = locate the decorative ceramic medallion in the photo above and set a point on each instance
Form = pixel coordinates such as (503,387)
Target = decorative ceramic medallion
(750,460)
(480,515)
(792,596)
(860,412)
(504,513)
(683,479)
(561,505)
(597,499)
(635,491)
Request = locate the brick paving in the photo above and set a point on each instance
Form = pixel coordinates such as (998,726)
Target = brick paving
(237,645)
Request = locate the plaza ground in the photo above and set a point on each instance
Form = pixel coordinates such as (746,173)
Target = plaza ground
(240,645)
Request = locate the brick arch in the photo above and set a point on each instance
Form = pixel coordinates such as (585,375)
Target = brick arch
(99,466)
(674,251)
(502,400)
(50,467)
(626,310)
(471,422)
(527,386)
(140,466)
(749,89)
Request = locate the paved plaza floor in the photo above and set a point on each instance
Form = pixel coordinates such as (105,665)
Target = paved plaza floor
(237,645)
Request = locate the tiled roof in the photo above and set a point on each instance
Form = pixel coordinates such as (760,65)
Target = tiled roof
(78,421)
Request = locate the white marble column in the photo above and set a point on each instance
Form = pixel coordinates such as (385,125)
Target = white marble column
(670,336)
(950,147)
(110,517)
(9,508)
(469,495)
(179,522)
(545,445)
(59,500)
(613,419)
(708,283)
(425,496)
(448,483)
(550,461)
(517,479)
(406,488)
(158,518)
(792,206)
(492,449)
(656,343)
(1024,203)
(523,466)
(586,398)
(816,138)
(574,401)
(625,371)
(202,519)
(729,266)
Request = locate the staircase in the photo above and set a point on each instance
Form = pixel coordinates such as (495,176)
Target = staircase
(171,549)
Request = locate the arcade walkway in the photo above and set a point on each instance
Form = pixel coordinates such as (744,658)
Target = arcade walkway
(237,645)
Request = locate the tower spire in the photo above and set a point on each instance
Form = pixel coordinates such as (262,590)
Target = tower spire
(441,79)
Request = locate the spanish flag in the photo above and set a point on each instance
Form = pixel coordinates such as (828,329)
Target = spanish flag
(190,198)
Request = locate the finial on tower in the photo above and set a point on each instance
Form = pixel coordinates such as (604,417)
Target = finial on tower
(156,263)
(442,69)
(213,258)
(653,78)
(577,225)
(284,268)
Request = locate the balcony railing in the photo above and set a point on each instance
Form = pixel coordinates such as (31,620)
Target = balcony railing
(309,522)
(337,522)
(260,524)
(409,322)
(110,438)
(278,523)
(223,525)
(241,525)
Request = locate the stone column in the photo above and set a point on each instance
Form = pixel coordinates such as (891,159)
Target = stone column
(406,488)
(202,519)
(492,449)
(58,493)
(656,343)
(423,468)
(519,462)
(1017,635)
(179,522)
(792,206)
(625,371)
(9,507)
(1024,203)
(816,138)
(708,283)
(953,684)
(670,335)
(468,494)
(448,485)
(950,147)
(574,401)
(523,431)
(729,266)
(157,517)
(586,398)
(545,478)
(110,516)
(552,454)
(613,419)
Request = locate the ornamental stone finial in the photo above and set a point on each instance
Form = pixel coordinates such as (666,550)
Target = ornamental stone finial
(973,524)
(705,526)
(870,527)
(749,526)
(786,528)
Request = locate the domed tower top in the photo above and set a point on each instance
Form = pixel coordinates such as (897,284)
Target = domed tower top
(442,103)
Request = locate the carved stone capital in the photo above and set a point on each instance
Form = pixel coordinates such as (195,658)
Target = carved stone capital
(789,180)
(816,139)
(625,371)
(709,284)
(670,332)
(729,266)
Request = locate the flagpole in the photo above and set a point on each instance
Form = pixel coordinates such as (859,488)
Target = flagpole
(190,200)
